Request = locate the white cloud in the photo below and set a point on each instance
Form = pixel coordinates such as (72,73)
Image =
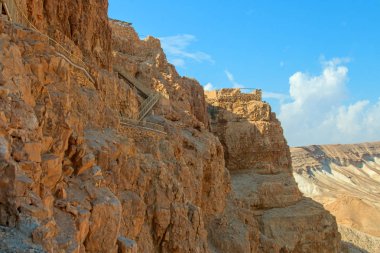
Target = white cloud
(317,114)
(229,76)
(178,62)
(334,61)
(273,95)
(232,80)
(208,87)
(350,119)
(176,48)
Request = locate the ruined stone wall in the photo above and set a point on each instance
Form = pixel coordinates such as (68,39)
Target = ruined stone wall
(266,211)
(251,134)
(73,179)
(231,95)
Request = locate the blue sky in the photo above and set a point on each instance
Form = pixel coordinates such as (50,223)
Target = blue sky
(290,49)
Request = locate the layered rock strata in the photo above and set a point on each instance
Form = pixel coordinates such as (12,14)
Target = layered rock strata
(267,210)
(346,180)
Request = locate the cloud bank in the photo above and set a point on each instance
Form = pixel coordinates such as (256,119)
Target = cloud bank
(176,48)
(273,95)
(232,80)
(317,113)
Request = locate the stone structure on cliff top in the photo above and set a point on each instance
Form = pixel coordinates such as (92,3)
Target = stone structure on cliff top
(250,133)
(263,188)
(74,179)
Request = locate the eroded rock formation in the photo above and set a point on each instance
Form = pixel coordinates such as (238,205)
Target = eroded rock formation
(79,24)
(346,180)
(79,180)
(269,213)
(251,135)
(145,61)
(73,179)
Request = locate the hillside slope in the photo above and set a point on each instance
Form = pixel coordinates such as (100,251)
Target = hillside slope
(346,180)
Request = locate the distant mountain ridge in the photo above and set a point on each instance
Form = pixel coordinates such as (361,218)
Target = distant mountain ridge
(346,180)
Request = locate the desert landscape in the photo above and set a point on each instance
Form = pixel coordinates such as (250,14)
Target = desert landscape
(105,147)
(345,179)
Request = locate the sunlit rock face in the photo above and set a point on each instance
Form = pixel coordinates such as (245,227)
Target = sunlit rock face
(267,210)
(74,179)
(79,24)
(251,134)
(346,180)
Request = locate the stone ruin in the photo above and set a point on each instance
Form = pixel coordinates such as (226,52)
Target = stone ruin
(234,94)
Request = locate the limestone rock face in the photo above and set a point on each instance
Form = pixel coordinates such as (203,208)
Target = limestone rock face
(81,26)
(345,179)
(145,62)
(266,211)
(84,180)
(74,179)
(45,107)
(126,245)
(250,133)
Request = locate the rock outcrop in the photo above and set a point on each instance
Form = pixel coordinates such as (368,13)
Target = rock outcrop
(250,133)
(346,180)
(81,181)
(49,176)
(145,62)
(81,26)
(269,213)
(73,178)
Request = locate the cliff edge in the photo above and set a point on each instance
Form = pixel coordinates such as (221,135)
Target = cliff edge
(104,147)
(269,212)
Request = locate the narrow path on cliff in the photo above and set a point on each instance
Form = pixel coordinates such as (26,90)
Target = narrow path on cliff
(15,15)
(12,10)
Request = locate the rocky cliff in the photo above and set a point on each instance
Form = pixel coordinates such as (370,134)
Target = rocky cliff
(81,26)
(250,133)
(74,177)
(74,180)
(269,213)
(346,180)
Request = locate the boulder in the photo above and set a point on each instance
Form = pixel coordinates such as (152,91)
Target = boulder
(104,222)
(51,170)
(126,245)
